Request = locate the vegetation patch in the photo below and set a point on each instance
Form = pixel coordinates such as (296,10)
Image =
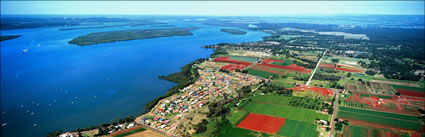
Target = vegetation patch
(237,116)
(285,111)
(384,118)
(244,58)
(124,35)
(293,128)
(4,38)
(228,130)
(127,132)
(233,31)
(261,73)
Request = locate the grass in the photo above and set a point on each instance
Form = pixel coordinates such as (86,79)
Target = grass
(261,73)
(379,96)
(244,58)
(284,63)
(285,112)
(237,117)
(212,126)
(275,99)
(228,130)
(405,121)
(293,128)
(130,132)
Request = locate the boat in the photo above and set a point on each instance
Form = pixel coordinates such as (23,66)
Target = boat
(38,45)
(25,50)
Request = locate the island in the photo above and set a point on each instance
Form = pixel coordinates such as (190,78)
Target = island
(9,37)
(124,35)
(233,31)
(163,26)
(110,26)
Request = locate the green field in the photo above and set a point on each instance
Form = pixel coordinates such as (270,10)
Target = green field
(379,96)
(284,63)
(130,132)
(275,99)
(261,73)
(285,111)
(228,130)
(237,117)
(244,58)
(409,88)
(293,128)
(357,131)
(396,120)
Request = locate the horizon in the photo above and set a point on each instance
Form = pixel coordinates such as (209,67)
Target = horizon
(213,8)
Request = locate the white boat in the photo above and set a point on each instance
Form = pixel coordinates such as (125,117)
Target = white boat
(25,50)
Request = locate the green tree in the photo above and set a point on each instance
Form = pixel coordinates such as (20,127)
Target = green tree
(335,60)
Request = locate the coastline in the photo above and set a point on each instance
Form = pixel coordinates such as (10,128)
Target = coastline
(173,77)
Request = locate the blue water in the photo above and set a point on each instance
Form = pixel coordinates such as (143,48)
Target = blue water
(105,81)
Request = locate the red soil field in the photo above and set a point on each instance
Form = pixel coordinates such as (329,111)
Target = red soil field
(262,123)
(125,130)
(327,66)
(414,135)
(232,67)
(348,70)
(323,91)
(266,61)
(292,67)
(266,69)
(228,60)
(406,92)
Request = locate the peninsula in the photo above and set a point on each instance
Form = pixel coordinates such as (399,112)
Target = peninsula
(9,37)
(233,31)
(110,26)
(124,35)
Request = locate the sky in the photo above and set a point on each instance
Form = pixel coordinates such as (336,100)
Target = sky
(222,8)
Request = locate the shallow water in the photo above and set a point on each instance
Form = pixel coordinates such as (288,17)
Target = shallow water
(68,86)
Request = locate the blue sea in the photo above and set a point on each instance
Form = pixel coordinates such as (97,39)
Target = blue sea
(60,86)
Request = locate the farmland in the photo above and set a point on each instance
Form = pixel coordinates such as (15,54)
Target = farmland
(382,118)
(237,116)
(293,128)
(410,91)
(261,73)
(285,111)
(358,131)
(262,123)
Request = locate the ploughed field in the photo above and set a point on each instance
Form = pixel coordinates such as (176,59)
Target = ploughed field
(262,123)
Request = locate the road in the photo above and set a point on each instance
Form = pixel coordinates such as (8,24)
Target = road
(314,71)
(334,113)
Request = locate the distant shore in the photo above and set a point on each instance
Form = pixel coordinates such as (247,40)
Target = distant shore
(125,35)
(9,37)
(233,31)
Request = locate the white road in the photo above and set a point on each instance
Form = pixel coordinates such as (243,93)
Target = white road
(314,71)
